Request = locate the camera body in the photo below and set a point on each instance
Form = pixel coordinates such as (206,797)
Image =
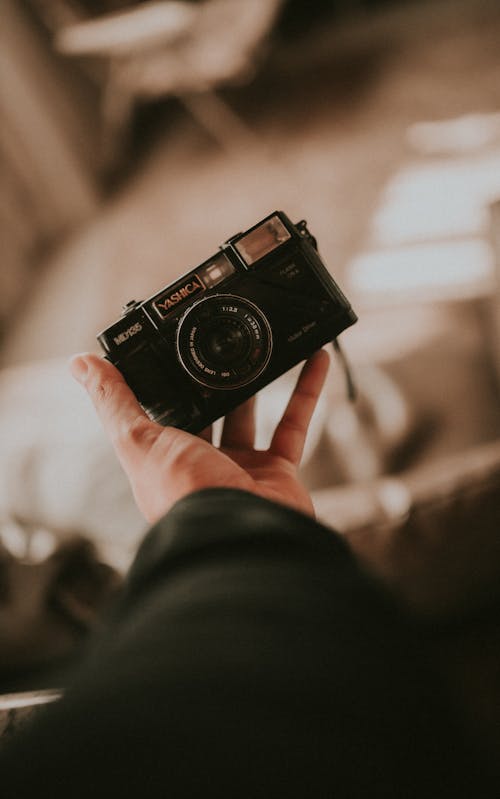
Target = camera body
(213,338)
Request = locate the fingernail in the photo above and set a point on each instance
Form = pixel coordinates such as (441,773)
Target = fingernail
(79,368)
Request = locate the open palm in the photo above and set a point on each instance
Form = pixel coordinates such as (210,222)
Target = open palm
(164,464)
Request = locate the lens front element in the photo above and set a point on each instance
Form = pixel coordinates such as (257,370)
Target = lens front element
(226,344)
(224,341)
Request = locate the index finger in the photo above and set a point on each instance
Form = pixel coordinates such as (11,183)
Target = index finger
(290,435)
(120,413)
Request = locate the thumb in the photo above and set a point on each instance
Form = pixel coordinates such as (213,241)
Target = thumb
(120,413)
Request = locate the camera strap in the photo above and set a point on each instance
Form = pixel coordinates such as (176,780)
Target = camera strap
(349,380)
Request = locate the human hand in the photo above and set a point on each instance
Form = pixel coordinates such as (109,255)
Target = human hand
(164,464)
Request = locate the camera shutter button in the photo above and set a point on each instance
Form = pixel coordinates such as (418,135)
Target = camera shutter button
(130,306)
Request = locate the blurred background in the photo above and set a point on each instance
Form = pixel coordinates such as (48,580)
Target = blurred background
(138,136)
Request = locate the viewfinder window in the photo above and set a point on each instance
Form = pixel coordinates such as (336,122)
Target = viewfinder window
(263,240)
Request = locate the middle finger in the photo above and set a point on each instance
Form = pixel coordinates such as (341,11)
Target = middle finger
(239,427)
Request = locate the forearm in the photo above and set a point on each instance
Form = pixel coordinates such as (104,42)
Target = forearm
(248,653)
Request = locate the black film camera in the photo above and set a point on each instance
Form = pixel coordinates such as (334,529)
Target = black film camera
(212,339)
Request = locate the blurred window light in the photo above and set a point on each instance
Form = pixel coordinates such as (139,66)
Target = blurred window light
(394,498)
(42,544)
(14,539)
(438,200)
(388,333)
(463,135)
(145,26)
(22,699)
(32,545)
(446,271)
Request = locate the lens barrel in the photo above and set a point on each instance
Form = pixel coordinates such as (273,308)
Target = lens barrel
(224,341)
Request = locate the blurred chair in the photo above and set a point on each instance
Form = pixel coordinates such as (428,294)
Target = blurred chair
(172,48)
(48,185)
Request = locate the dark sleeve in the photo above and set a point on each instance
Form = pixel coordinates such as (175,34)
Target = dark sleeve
(247,656)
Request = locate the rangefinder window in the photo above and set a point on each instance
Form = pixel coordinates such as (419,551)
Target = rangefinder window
(216,271)
(262,240)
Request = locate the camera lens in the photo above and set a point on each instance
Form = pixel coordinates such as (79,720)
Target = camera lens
(224,341)
(226,344)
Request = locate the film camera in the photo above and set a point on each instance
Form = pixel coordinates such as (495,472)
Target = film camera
(212,339)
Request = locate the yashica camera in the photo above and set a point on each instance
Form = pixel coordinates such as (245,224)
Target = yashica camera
(213,338)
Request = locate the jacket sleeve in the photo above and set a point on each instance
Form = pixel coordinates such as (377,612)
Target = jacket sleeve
(248,655)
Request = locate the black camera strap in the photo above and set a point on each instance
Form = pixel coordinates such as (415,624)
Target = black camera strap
(349,380)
